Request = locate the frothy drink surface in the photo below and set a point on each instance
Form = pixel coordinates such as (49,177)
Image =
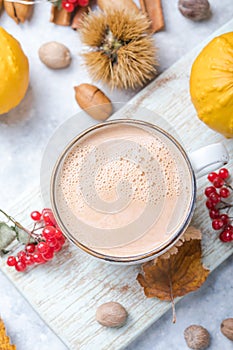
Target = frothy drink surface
(123,190)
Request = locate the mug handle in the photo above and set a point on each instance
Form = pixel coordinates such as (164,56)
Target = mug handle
(209,158)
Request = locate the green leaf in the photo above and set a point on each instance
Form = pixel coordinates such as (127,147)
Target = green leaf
(56,3)
(22,236)
(7,235)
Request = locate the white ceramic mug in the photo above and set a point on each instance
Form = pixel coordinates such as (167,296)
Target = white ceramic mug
(197,163)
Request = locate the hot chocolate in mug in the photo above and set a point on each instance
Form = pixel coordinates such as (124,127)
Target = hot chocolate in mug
(124,191)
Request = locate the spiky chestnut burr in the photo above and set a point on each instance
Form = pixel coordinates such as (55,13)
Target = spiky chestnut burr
(121,51)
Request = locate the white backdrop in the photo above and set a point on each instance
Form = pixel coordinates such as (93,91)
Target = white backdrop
(24,134)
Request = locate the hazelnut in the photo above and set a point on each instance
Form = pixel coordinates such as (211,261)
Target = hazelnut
(55,55)
(93,101)
(227,328)
(111,314)
(196,10)
(197,337)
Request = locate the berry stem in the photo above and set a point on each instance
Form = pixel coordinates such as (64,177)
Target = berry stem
(228,205)
(16,223)
(38,228)
(46,242)
(225,207)
(31,233)
(228,185)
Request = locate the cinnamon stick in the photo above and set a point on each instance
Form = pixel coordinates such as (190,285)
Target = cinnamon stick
(77,19)
(60,17)
(1,5)
(117,4)
(153,8)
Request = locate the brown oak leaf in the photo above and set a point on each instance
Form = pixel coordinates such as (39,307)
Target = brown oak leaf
(4,339)
(177,272)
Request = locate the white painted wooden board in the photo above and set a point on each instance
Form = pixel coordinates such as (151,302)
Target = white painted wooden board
(67,291)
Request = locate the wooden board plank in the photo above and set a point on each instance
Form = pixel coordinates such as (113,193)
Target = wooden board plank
(67,291)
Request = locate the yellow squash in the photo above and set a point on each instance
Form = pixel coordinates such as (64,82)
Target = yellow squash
(211,84)
(14,72)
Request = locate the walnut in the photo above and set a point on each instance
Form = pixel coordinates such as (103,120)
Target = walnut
(196,10)
(227,328)
(197,337)
(111,314)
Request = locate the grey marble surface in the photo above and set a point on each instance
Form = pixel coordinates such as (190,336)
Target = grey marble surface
(24,133)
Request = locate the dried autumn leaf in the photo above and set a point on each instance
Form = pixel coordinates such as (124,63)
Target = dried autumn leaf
(4,339)
(190,233)
(178,273)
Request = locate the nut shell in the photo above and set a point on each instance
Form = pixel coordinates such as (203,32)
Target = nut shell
(55,55)
(196,10)
(111,314)
(23,11)
(227,328)
(18,12)
(197,337)
(93,101)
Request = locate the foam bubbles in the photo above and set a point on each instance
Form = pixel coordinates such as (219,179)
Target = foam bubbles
(112,177)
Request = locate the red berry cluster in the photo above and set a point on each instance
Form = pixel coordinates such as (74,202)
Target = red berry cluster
(48,241)
(216,195)
(70,5)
